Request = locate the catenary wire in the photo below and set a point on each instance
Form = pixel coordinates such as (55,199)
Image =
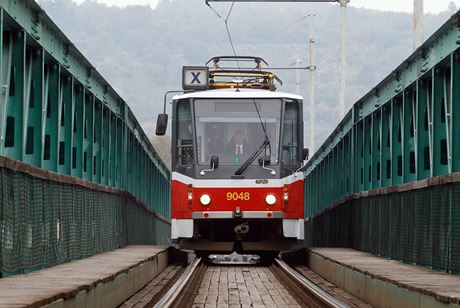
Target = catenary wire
(226,27)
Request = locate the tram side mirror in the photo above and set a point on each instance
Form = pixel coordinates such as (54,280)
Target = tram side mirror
(214,161)
(162,124)
(264,160)
(306,153)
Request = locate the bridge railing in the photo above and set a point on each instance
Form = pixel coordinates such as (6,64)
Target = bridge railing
(397,144)
(80,141)
(58,113)
(48,218)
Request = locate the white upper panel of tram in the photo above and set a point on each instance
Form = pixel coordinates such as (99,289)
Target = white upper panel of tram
(237,93)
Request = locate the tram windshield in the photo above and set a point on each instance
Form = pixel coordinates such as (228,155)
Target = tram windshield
(232,129)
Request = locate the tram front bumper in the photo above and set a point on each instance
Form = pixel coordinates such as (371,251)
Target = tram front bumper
(242,214)
(225,222)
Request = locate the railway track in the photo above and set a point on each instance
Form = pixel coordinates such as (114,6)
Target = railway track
(279,285)
(306,292)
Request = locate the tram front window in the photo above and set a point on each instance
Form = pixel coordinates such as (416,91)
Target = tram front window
(184,134)
(232,130)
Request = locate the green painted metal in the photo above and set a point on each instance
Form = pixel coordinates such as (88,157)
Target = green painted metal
(58,113)
(403,130)
(46,222)
(415,226)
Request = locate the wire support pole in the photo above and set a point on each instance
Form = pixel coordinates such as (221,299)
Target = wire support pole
(297,76)
(312,73)
(342,82)
(418,23)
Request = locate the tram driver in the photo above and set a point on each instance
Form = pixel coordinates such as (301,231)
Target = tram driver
(238,147)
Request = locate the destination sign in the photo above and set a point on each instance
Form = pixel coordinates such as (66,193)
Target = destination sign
(195,77)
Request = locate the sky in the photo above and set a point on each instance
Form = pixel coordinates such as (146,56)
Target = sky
(430,6)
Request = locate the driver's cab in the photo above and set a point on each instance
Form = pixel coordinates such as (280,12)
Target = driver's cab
(231,123)
(251,133)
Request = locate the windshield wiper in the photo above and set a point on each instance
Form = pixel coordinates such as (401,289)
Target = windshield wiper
(260,149)
(252,157)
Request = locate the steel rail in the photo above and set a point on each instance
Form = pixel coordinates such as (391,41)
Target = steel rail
(316,291)
(175,291)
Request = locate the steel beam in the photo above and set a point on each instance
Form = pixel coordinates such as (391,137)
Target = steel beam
(403,130)
(272,0)
(58,113)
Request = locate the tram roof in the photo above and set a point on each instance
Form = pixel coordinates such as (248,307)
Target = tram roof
(240,93)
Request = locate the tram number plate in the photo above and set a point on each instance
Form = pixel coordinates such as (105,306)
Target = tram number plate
(231,196)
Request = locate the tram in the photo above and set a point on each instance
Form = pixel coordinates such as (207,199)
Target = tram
(237,155)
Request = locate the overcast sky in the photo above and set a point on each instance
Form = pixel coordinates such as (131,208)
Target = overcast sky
(432,6)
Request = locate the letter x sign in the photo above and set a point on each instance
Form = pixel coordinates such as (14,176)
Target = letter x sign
(195,77)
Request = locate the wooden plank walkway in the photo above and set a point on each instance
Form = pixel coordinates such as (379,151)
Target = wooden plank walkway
(242,286)
(66,281)
(442,286)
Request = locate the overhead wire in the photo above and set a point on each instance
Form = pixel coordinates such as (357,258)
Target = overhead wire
(225,20)
(230,11)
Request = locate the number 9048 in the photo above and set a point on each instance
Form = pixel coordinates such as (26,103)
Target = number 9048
(242,196)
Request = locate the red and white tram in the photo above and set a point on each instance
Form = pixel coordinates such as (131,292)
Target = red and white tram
(237,153)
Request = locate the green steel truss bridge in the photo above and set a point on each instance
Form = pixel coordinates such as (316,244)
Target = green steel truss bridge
(78,176)
(387,179)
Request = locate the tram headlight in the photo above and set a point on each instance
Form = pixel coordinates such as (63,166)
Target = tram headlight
(270,199)
(205,199)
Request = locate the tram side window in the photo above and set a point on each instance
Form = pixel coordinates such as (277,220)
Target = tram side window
(290,137)
(184,134)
